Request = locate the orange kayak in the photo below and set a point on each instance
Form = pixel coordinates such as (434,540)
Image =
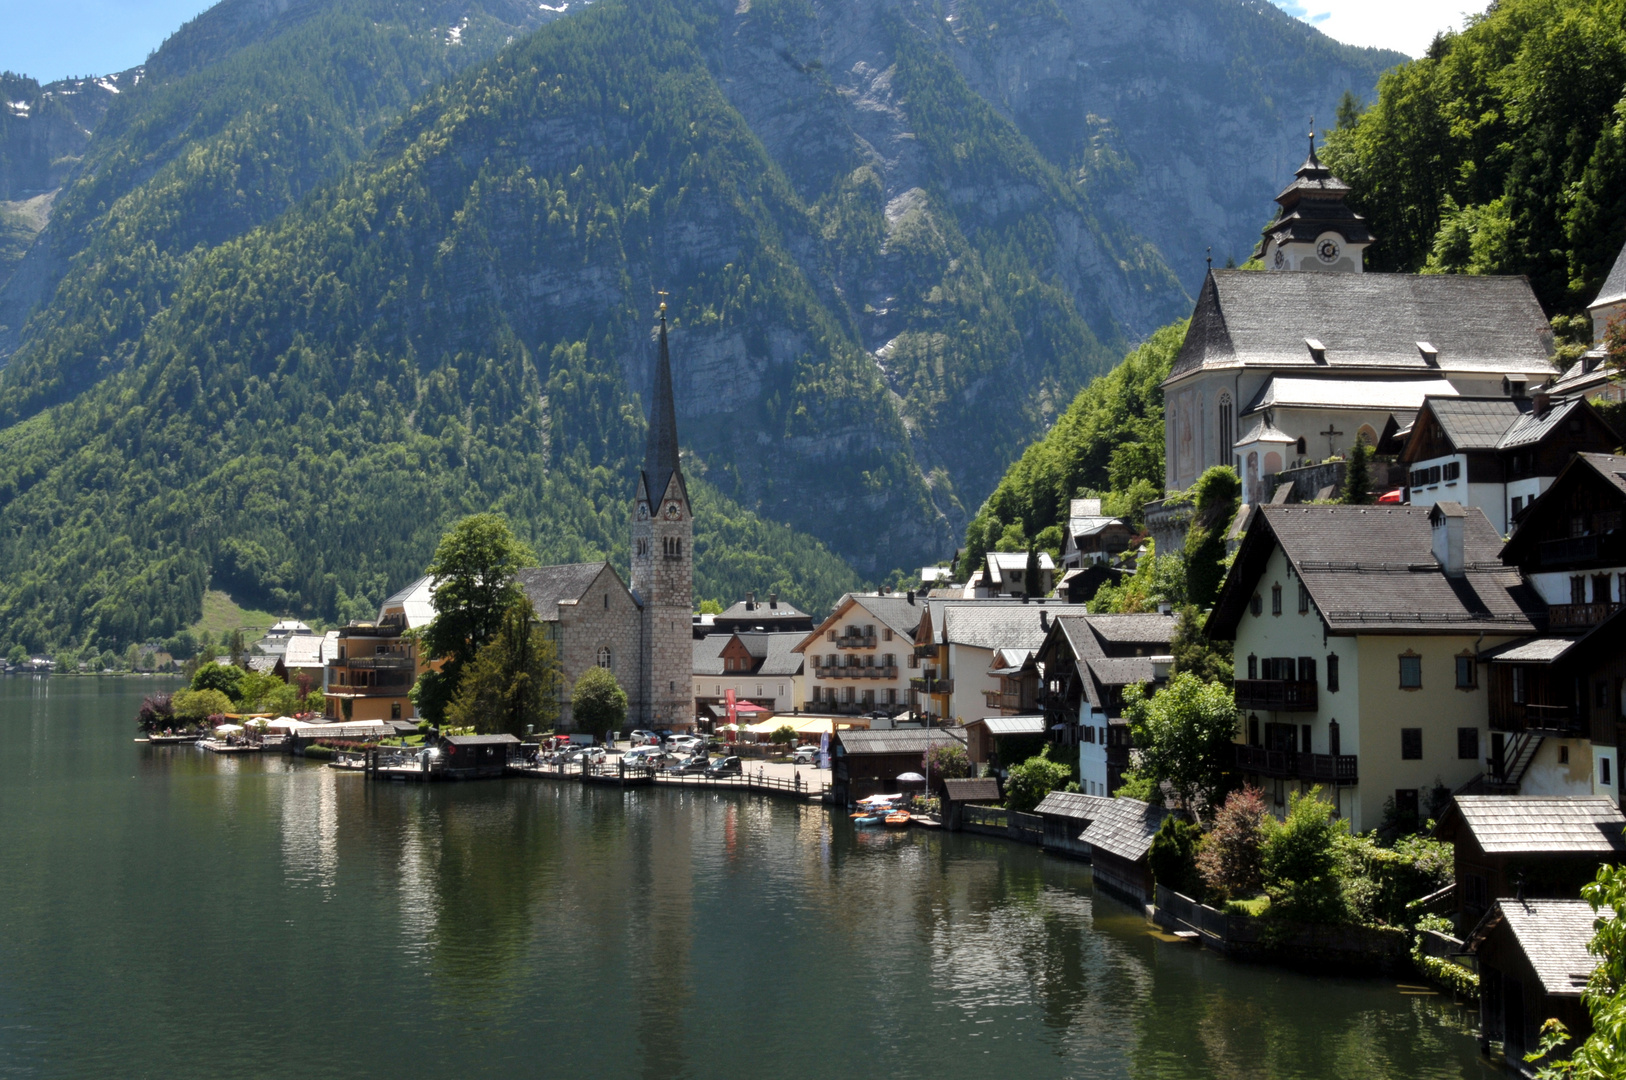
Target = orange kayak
(898,819)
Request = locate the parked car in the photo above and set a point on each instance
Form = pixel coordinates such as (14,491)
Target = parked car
(685,744)
(586,754)
(728,766)
(693,766)
(643,755)
(641,737)
(805,755)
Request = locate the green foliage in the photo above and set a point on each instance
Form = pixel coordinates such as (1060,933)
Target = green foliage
(512,685)
(948,763)
(1215,499)
(157,712)
(1028,783)
(318,752)
(597,702)
(1173,856)
(1183,735)
(1110,438)
(1157,580)
(1229,860)
(783,735)
(1358,476)
(264,692)
(1300,862)
(194,706)
(227,678)
(1602,1056)
(1501,151)
(1195,652)
(1381,882)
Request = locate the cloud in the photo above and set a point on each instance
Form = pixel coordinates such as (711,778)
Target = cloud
(1405,25)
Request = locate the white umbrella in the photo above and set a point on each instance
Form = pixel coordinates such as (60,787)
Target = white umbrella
(228,728)
(259,721)
(911,778)
(287,723)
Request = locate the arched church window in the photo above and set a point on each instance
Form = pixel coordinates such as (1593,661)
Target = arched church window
(1367,435)
(604,657)
(1299,447)
(1226,435)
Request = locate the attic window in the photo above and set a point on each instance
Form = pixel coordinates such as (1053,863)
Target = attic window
(1431,355)
(1318,351)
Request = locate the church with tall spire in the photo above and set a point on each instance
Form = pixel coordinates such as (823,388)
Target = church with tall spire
(642,632)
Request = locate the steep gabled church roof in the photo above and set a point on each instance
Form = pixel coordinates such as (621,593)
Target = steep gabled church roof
(661,447)
(548,586)
(1371,323)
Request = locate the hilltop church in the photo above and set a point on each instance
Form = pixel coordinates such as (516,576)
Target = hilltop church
(1291,365)
(641,634)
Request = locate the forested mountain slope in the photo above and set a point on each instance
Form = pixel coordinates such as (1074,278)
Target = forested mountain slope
(1503,151)
(889,268)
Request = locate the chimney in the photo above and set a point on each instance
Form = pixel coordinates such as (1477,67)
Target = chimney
(1044,619)
(911,596)
(1431,355)
(1446,520)
(773,600)
(1540,402)
(750,601)
(1318,351)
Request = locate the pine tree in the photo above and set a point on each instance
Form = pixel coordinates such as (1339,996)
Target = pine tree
(1030,586)
(1358,476)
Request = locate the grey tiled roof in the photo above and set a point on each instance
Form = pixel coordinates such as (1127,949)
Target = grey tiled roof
(1121,670)
(1529,650)
(983,789)
(989,627)
(1614,286)
(708,653)
(1543,824)
(1476,423)
(1529,428)
(1133,629)
(895,611)
(1553,934)
(1367,322)
(1125,828)
(1404,395)
(905,741)
(776,651)
(546,586)
(1071,804)
(1011,725)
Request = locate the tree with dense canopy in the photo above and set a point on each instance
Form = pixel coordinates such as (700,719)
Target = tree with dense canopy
(597,702)
(1182,737)
(513,684)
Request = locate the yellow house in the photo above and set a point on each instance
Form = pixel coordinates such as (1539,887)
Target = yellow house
(1359,632)
(372,672)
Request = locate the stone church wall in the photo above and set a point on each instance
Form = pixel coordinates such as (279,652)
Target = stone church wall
(606,616)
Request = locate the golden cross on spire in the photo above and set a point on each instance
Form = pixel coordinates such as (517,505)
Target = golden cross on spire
(662,294)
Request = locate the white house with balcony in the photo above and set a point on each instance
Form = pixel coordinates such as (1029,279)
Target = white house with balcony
(859,660)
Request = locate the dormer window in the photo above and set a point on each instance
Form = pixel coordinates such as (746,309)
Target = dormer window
(1318,351)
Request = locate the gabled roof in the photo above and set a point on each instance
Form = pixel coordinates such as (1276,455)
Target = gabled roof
(761,611)
(708,653)
(1537,825)
(1552,934)
(1262,432)
(308,650)
(776,652)
(978,789)
(1367,322)
(549,586)
(1473,423)
(898,741)
(1001,726)
(1147,629)
(900,613)
(1001,563)
(1371,569)
(1610,468)
(986,626)
(1073,806)
(1613,289)
(416,602)
(1125,828)
(1386,395)
(1529,429)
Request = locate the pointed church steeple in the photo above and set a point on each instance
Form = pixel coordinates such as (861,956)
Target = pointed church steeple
(1314,230)
(661,449)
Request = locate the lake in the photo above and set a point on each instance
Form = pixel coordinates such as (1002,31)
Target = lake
(168,913)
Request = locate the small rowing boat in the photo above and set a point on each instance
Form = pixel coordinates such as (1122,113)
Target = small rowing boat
(897,820)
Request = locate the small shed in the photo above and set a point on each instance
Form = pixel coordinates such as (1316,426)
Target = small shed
(983,790)
(475,757)
(865,763)
(1533,964)
(1066,815)
(1119,840)
(1551,845)
(984,737)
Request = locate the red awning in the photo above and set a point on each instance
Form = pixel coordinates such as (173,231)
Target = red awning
(1394,496)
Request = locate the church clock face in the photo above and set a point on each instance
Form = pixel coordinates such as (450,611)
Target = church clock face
(643,511)
(1328,250)
(673,511)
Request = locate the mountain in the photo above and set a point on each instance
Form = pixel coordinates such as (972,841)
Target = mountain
(896,239)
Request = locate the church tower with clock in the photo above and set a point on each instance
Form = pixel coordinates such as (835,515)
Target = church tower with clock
(1314,230)
(663,562)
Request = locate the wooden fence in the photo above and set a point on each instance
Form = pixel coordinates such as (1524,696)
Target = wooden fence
(1011,824)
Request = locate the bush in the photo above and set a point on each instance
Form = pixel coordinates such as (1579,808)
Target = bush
(196,706)
(1173,856)
(1301,863)
(222,677)
(597,702)
(783,734)
(1229,858)
(1380,882)
(156,713)
(1028,783)
(948,762)
(319,752)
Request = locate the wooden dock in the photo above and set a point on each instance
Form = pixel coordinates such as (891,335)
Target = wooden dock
(620,775)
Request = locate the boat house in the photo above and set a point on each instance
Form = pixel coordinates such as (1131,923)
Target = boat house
(1066,815)
(1119,840)
(1534,845)
(474,757)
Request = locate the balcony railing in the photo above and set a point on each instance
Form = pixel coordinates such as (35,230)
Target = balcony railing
(1276,695)
(1545,719)
(1572,616)
(855,641)
(1293,765)
(1596,547)
(998,699)
(926,651)
(377,663)
(932,685)
(879,672)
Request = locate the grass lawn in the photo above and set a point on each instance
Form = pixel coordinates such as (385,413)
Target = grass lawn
(1255,907)
(222,614)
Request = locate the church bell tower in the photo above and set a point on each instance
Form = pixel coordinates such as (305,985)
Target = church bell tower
(663,561)
(1314,230)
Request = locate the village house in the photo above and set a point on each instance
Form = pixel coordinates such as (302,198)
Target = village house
(761,668)
(1088,661)
(1358,632)
(1497,453)
(1528,845)
(1018,676)
(1005,574)
(1533,965)
(1091,535)
(1592,376)
(1003,741)
(371,672)
(774,616)
(957,643)
(1291,367)
(859,660)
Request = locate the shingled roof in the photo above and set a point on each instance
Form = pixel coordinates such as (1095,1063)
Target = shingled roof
(976,789)
(899,741)
(1073,806)
(1537,824)
(546,586)
(1367,322)
(1614,286)
(1371,569)
(996,627)
(1553,935)
(1125,828)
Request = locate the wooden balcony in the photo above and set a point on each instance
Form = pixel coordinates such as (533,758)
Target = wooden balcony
(932,685)
(1276,695)
(855,641)
(855,672)
(1577,616)
(1606,547)
(1291,765)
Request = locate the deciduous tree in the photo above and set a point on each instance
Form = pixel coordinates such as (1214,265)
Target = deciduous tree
(1183,735)
(513,684)
(597,702)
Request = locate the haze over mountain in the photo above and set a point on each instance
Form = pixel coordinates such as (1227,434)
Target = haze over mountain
(312,292)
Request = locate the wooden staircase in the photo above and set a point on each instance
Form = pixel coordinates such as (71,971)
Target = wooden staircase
(1517,754)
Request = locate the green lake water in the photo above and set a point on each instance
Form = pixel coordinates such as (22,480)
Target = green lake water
(168,913)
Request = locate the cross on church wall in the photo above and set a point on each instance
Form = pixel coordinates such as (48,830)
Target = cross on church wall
(1331,433)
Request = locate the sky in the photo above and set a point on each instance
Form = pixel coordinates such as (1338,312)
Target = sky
(53,39)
